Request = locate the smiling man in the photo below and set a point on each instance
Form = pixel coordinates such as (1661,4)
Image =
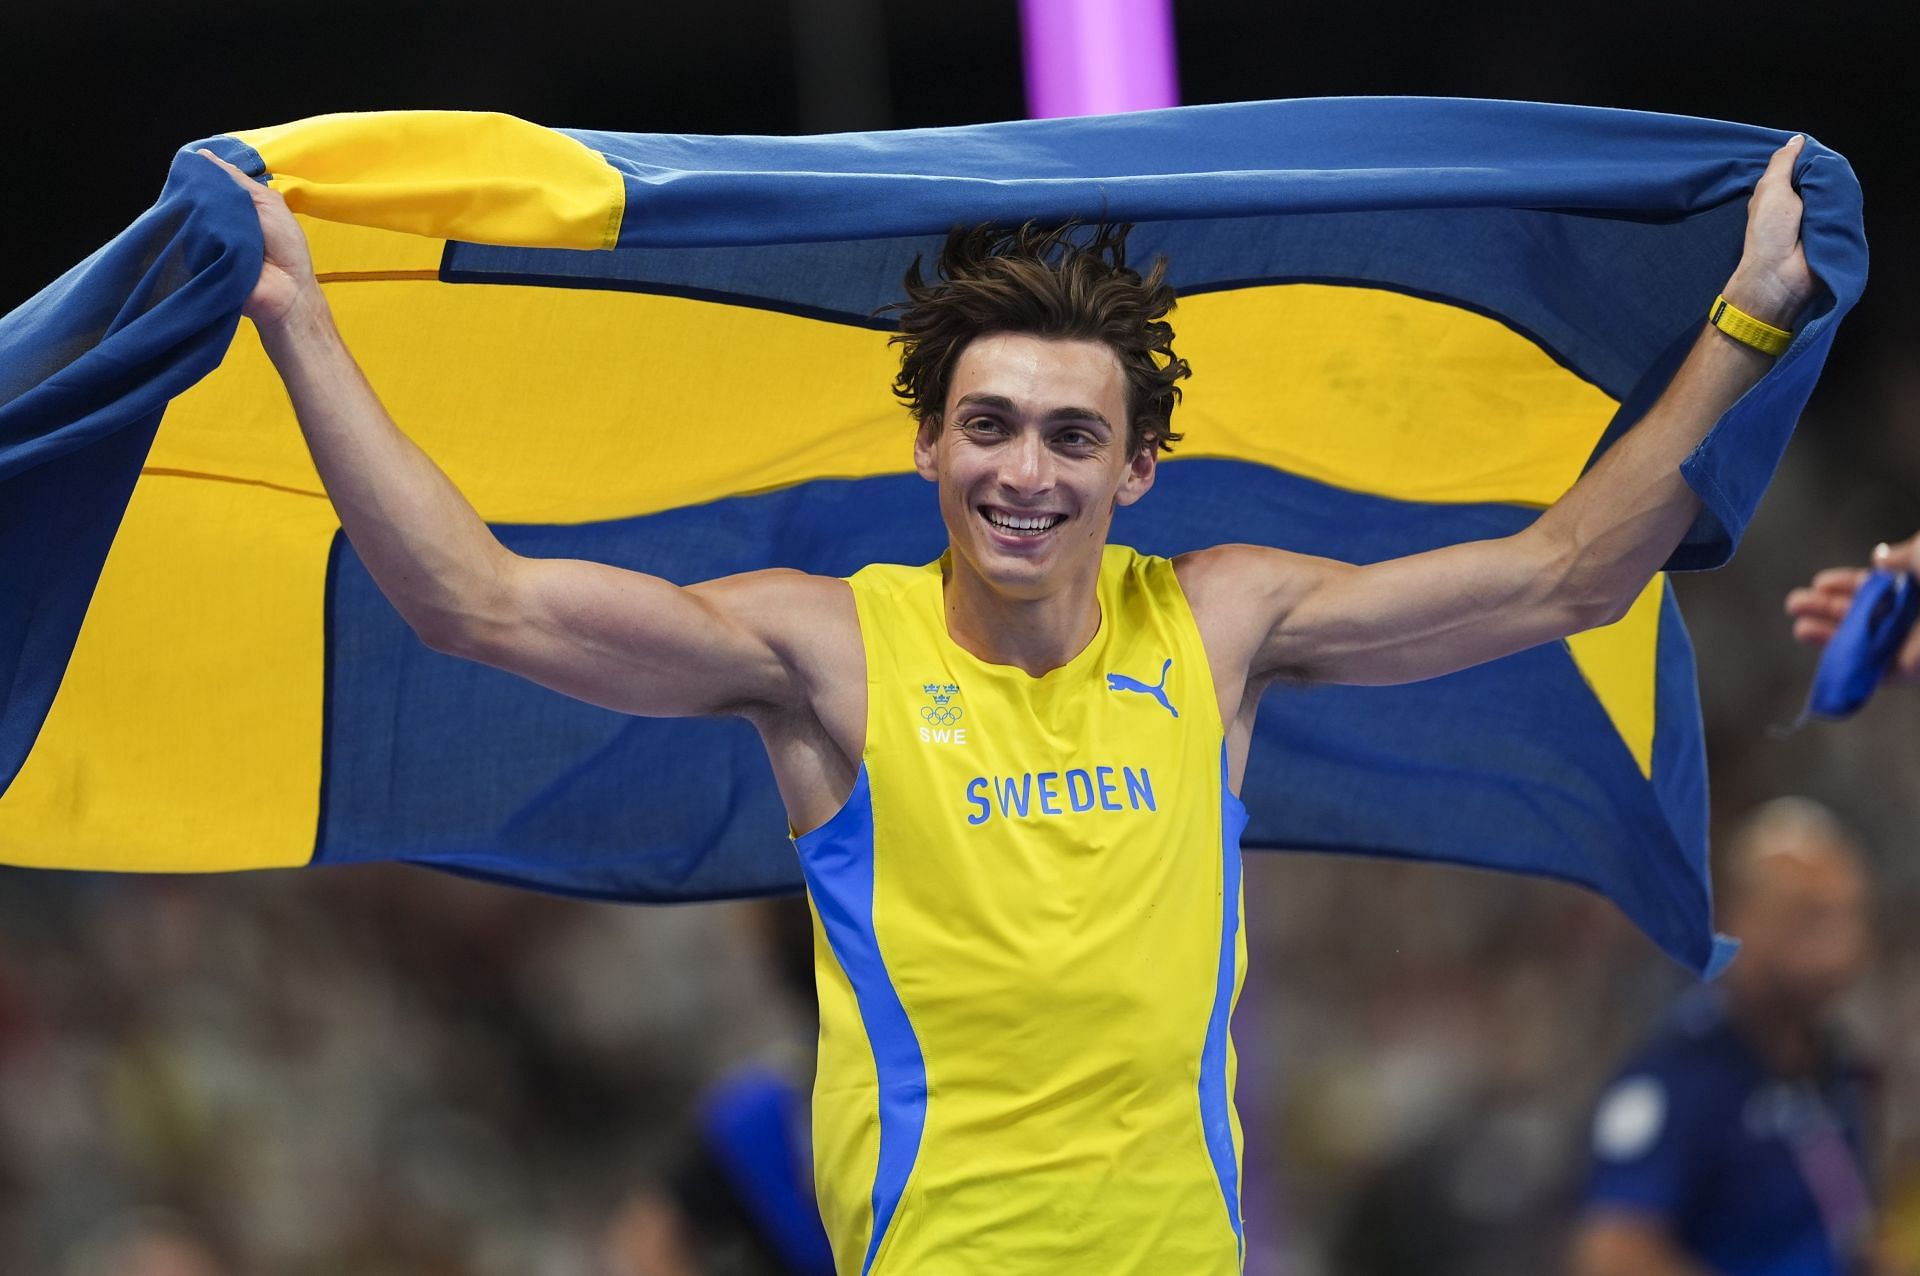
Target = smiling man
(1013,773)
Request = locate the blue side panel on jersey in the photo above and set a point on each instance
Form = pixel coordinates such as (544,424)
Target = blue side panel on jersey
(838,860)
(1216,1099)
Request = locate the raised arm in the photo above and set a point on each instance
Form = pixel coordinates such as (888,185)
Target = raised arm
(618,638)
(1580,564)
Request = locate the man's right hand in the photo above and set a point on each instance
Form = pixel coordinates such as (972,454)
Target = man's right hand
(1818,607)
(286,275)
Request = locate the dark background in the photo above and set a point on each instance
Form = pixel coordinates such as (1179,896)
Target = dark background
(100,94)
(383,1070)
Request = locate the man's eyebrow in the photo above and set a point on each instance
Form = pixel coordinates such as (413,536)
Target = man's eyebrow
(1005,404)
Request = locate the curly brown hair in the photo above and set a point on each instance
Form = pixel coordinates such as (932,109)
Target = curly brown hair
(1044,281)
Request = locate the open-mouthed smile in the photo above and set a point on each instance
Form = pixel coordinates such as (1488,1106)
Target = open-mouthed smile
(1021,525)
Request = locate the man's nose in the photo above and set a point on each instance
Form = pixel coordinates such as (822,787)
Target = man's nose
(1029,469)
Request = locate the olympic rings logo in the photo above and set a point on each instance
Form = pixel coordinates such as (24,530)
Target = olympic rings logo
(940,715)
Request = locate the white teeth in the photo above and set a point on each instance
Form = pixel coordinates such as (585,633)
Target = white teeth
(1018,523)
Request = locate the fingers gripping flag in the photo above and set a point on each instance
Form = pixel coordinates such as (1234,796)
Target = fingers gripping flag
(1411,322)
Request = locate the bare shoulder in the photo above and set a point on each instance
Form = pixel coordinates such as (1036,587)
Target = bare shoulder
(806,598)
(1238,593)
(808,620)
(814,740)
(1247,601)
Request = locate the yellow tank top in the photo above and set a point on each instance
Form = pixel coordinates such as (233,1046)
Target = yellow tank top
(1028,944)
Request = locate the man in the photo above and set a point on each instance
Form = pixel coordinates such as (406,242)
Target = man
(1733,1143)
(1011,774)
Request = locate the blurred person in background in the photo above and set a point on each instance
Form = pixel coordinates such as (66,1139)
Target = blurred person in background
(1817,607)
(738,1200)
(1735,1141)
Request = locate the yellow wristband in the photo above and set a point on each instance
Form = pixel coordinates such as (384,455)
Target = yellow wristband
(1747,330)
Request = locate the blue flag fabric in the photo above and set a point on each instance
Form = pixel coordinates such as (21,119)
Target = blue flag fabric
(1412,322)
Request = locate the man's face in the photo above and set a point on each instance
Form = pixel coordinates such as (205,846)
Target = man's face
(1802,923)
(1031,458)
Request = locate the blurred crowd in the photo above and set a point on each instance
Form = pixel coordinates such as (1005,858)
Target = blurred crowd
(390,1070)
(377,1070)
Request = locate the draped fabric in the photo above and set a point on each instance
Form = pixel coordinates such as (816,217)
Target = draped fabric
(1412,322)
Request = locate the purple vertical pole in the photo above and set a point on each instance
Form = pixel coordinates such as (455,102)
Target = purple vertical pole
(1095,57)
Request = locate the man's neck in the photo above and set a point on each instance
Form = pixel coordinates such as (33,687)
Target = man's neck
(1786,1043)
(1033,634)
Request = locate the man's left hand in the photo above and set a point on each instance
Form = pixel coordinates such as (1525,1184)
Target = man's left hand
(1772,282)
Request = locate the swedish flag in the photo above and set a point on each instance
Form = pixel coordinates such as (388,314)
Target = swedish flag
(1412,322)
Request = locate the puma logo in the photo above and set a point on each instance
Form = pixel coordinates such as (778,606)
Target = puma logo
(1120,682)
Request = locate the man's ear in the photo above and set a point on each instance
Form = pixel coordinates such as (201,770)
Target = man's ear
(1140,471)
(925,444)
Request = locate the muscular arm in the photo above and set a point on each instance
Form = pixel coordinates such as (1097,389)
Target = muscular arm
(1580,564)
(618,638)
(1613,1243)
